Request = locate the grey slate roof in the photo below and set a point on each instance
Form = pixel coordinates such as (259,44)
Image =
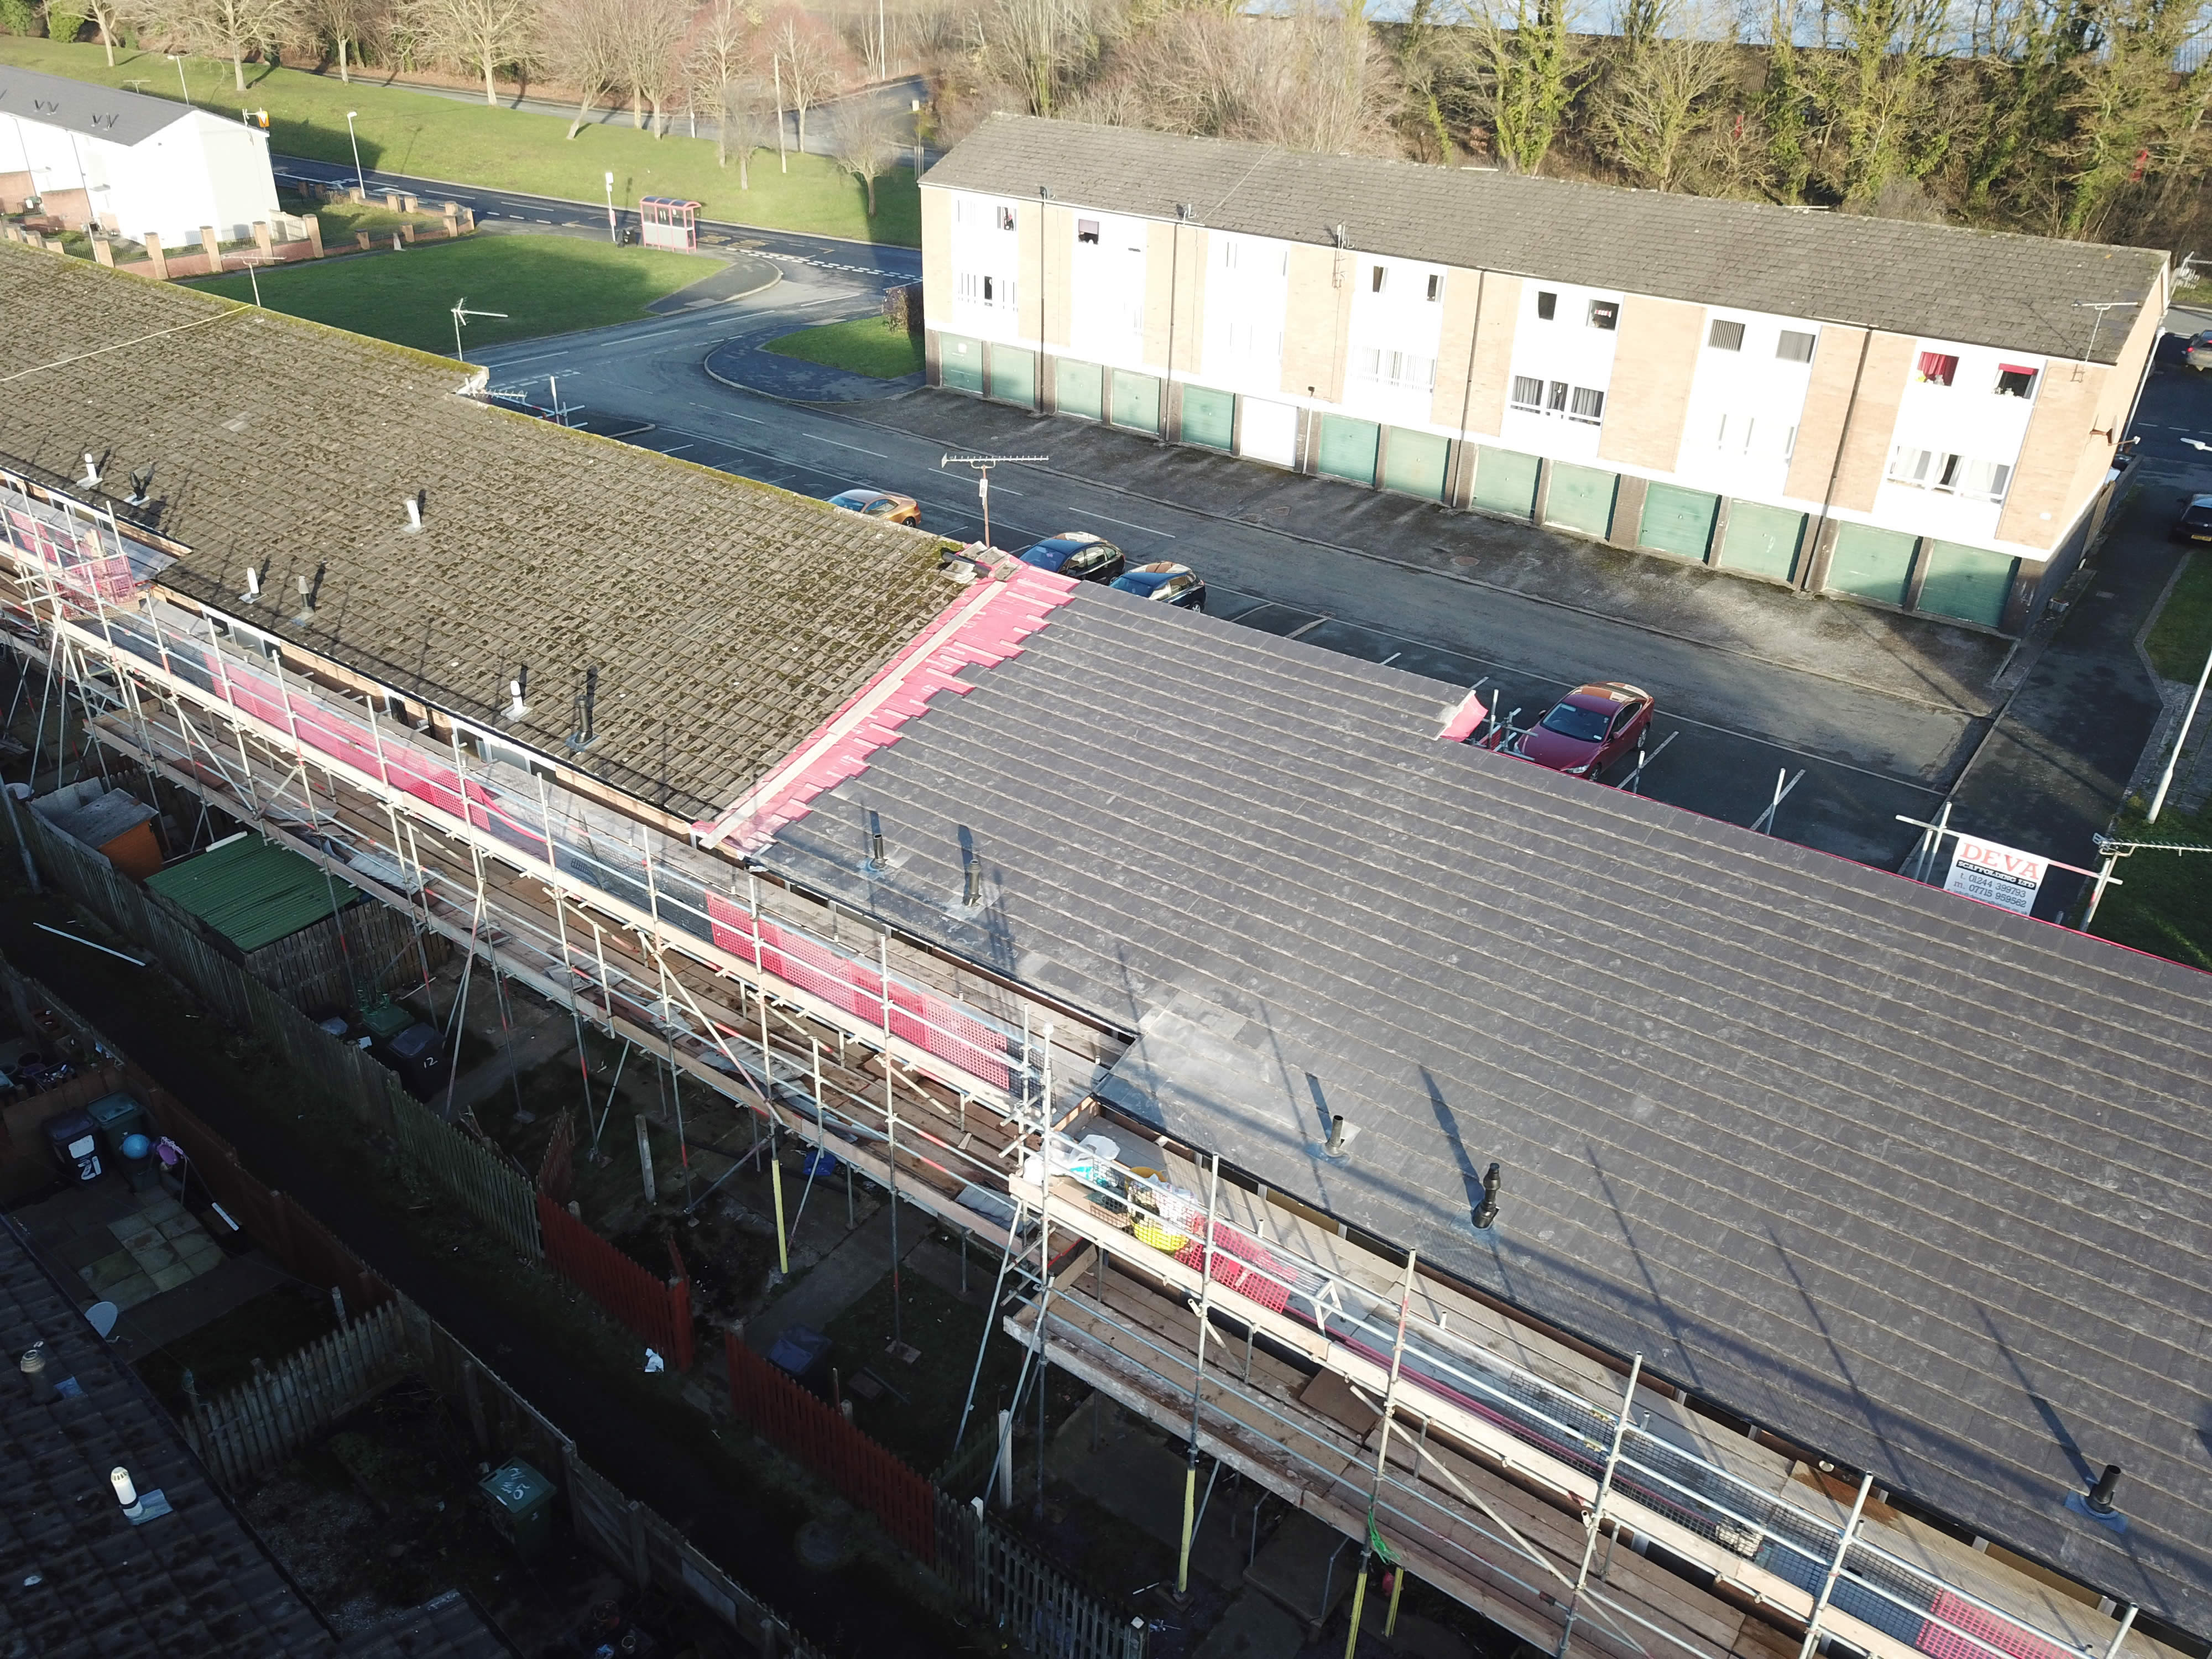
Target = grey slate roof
(119,117)
(727,618)
(1915,1182)
(1975,287)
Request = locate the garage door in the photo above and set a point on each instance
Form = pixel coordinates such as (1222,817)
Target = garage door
(1413,462)
(1136,401)
(1080,389)
(960,362)
(1209,417)
(1969,583)
(1348,448)
(1505,481)
(1580,498)
(1762,541)
(1013,376)
(1270,433)
(1677,521)
(1875,564)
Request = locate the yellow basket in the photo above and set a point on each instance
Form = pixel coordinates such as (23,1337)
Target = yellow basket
(1155,1232)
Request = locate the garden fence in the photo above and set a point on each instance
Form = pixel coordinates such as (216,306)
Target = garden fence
(658,1310)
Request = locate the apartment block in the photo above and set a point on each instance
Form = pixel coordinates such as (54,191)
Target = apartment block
(1912,415)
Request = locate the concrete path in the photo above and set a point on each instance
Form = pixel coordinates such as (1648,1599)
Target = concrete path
(839,1279)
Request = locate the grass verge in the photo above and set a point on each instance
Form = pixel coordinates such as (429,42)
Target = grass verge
(545,285)
(2182,632)
(2163,904)
(402,131)
(866,345)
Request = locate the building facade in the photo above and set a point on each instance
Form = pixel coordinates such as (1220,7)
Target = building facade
(1913,416)
(128,164)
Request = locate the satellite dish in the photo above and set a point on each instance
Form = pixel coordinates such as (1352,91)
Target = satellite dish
(102,1317)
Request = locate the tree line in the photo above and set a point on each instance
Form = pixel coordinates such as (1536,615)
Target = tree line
(2075,118)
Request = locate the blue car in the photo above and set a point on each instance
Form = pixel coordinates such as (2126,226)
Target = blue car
(1077,553)
(1178,585)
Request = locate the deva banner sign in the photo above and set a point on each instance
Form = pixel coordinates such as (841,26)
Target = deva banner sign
(1995,874)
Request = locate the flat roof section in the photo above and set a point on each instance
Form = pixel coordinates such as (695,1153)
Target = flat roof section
(1979,288)
(252,892)
(1910,1180)
(715,620)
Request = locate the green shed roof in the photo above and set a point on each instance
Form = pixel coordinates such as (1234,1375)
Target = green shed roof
(252,892)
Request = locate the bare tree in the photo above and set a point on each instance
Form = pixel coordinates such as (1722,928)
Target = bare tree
(651,41)
(1877,88)
(862,140)
(1662,95)
(748,114)
(2137,128)
(721,50)
(481,36)
(342,25)
(812,60)
(227,29)
(580,44)
(1040,46)
(111,18)
(1527,66)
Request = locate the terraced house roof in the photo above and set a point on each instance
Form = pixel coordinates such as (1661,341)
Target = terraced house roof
(1913,1181)
(1977,287)
(725,618)
(97,111)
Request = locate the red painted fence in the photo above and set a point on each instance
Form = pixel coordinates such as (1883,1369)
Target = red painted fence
(659,1312)
(817,1435)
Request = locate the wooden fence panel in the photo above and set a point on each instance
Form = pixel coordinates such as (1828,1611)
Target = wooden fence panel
(488,1187)
(258,1424)
(658,1311)
(1026,1595)
(819,1436)
(556,1171)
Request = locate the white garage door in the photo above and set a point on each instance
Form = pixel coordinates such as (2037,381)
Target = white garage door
(1270,431)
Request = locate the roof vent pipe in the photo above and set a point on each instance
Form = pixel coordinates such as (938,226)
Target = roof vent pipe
(2099,1499)
(1335,1148)
(1486,1211)
(37,1373)
(91,478)
(253,586)
(414,506)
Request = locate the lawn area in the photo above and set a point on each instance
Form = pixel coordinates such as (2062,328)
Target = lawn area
(920,1428)
(866,345)
(433,137)
(2164,902)
(2182,632)
(546,285)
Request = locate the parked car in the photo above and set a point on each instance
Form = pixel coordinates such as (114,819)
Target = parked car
(1171,584)
(880,504)
(2195,522)
(1588,729)
(1079,554)
(2198,354)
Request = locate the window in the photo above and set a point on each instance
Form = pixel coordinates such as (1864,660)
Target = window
(1087,230)
(1794,346)
(1604,314)
(1555,402)
(1589,405)
(1548,306)
(1435,287)
(1725,336)
(1006,218)
(978,288)
(1527,393)
(2013,381)
(1936,369)
(1910,466)
(1376,279)
(1400,368)
(1953,475)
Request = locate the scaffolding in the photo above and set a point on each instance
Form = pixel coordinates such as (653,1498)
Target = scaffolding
(1575,1501)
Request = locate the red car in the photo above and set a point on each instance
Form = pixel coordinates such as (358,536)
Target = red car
(1588,729)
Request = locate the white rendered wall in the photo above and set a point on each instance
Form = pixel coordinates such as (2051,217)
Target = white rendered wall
(1392,339)
(1248,286)
(1564,348)
(1741,426)
(986,260)
(1105,290)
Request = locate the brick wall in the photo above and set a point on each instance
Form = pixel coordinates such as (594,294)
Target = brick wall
(1315,319)
(1175,254)
(1653,361)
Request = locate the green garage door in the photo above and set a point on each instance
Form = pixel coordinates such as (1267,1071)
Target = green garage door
(1413,462)
(1013,376)
(1966,582)
(1875,564)
(960,362)
(1762,541)
(1505,481)
(1080,389)
(1677,521)
(1348,448)
(1209,417)
(1580,498)
(1136,401)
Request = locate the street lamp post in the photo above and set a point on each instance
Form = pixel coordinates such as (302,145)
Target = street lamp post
(178,58)
(359,183)
(611,236)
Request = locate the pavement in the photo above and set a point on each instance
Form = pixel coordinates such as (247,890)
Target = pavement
(839,1279)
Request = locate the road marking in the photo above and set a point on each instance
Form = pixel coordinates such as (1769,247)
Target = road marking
(676,449)
(1164,535)
(1304,629)
(816,437)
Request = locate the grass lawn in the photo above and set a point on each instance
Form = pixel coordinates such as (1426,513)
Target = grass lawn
(435,137)
(546,285)
(920,1428)
(867,345)
(2182,632)
(2164,902)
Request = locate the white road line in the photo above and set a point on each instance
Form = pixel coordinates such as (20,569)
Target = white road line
(1104,518)
(1304,629)
(676,449)
(816,437)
